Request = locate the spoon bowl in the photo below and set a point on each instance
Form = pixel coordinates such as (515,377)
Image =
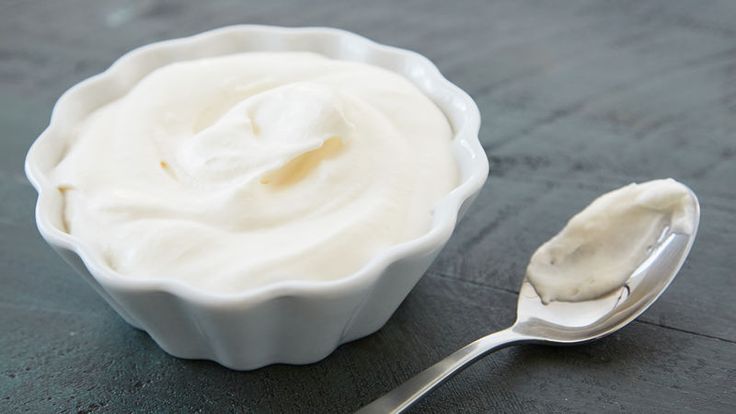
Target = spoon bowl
(560,323)
(573,322)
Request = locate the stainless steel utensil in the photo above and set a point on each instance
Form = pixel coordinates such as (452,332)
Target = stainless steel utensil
(558,322)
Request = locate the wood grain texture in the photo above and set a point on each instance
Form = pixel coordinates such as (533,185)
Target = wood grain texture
(578,97)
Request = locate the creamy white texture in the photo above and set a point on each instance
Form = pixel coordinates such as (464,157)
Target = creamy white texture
(237,171)
(601,246)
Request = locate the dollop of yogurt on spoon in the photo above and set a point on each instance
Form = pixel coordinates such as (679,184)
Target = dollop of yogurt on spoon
(601,246)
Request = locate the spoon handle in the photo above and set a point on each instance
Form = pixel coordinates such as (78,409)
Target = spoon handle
(405,395)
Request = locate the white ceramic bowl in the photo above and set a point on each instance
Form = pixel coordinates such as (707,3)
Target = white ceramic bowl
(294,322)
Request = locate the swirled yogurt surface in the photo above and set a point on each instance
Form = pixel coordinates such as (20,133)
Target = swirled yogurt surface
(601,246)
(238,171)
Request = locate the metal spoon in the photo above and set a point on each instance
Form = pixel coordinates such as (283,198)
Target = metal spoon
(558,323)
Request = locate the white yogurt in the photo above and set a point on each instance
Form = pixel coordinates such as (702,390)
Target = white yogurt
(238,171)
(601,246)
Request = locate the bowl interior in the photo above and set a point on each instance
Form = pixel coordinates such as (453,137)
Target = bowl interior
(75,105)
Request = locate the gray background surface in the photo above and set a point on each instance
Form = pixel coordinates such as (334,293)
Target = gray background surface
(578,97)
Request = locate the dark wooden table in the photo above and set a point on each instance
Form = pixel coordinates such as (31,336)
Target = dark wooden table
(578,97)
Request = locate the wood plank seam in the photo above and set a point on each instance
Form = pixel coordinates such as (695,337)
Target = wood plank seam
(443,275)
